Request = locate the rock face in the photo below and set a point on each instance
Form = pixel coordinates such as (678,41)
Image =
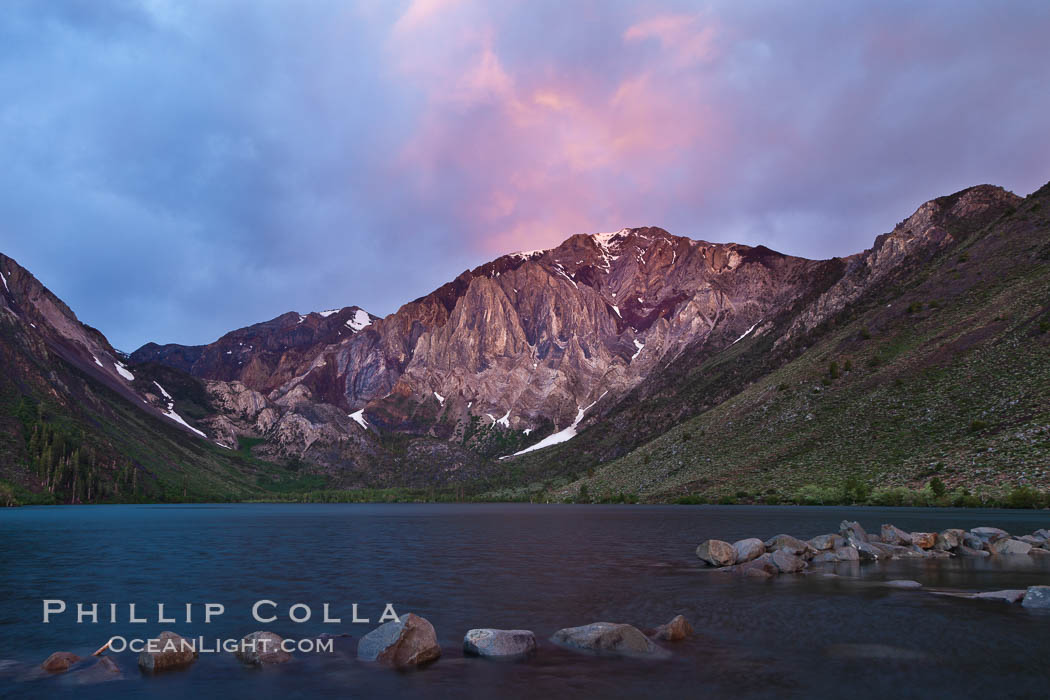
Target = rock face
(674,631)
(262,649)
(746,550)
(716,552)
(408,642)
(59,661)
(918,237)
(1037,597)
(526,340)
(609,638)
(499,643)
(168,651)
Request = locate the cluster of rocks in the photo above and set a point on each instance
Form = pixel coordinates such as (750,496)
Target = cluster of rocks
(785,554)
(405,643)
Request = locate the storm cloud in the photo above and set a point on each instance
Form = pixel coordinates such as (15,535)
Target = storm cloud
(176,170)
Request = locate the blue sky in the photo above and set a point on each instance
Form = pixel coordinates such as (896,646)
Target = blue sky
(177,170)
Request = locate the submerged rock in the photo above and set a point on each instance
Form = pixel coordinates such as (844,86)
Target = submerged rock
(762,567)
(902,583)
(169,651)
(102,671)
(59,661)
(716,552)
(267,649)
(1010,596)
(746,550)
(411,641)
(609,638)
(1037,597)
(674,631)
(964,551)
(495,643)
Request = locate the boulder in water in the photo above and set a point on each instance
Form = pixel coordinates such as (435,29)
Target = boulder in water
(167,651)
(1037,597)
(787,562)
(788,543)
(1009,546)
(964,551)
(989,534)
(891,534)
(1010,596)
(59,661)
(410,641)
(674,631)
(102,671)
(746,550)
(495,643)
(925,540)
(825,542)
(716,552)
(262,649)
(608,638)
(853,532)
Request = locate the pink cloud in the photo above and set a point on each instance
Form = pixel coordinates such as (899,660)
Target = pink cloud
(522,156)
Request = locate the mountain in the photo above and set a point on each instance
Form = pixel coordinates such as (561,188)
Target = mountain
(928,358)
(510,351)
(543,372)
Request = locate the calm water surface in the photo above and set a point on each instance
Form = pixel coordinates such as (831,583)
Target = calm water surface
(519,566)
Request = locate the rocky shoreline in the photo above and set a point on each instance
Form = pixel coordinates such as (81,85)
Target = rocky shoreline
(785,554)
(411,641)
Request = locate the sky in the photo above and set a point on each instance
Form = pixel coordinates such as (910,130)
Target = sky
(175,170)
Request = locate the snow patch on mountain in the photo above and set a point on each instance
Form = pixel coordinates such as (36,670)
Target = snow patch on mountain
(360,320)
(746,333)
(170,411)
(359,418)
(123,371)
(440,398)
(638,345)
(562,435)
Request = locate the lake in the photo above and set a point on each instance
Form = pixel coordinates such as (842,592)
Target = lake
(538,567)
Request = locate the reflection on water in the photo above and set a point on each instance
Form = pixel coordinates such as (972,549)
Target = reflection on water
(520,566)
